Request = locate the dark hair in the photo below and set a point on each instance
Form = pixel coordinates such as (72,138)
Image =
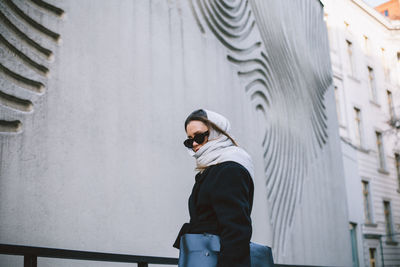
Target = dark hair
(201,115)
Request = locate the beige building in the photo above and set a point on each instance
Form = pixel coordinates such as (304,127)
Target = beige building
(365,54)
(390,9)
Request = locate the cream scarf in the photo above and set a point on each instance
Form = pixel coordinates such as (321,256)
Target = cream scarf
(220,148)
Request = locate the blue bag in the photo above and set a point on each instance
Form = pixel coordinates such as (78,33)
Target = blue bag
(202,250)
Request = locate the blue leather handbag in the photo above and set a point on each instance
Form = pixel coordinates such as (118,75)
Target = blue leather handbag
(201,250)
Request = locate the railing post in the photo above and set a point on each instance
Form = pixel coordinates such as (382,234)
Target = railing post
(30,261)
(143,264)
(383,261)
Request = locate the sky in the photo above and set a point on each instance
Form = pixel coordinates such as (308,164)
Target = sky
(375,3)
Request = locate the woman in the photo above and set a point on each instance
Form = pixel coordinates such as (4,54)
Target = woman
(222,197)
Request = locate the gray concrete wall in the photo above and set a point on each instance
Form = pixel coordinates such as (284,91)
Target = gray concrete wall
(95,161)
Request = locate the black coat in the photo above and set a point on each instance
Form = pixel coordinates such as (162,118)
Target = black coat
(221,203)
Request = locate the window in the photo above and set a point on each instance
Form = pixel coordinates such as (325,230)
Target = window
(388,220)
(351,56)
(386,70)
(354,249)
(372,257)
(386,12)
(371,82)
(330,37)
(367,204)
(366,44)
(398,67)
(390,104)
(381,152)
(338,104)
(397,164)
(358,126)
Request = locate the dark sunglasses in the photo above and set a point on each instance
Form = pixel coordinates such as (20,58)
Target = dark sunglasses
(198,138)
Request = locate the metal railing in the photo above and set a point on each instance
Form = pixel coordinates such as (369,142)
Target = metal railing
(31,254)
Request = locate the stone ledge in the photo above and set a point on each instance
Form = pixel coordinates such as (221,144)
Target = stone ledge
(383,171)
(372,236)
(391,243)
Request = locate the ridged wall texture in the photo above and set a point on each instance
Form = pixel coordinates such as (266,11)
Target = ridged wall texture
(285,69)
(92,101)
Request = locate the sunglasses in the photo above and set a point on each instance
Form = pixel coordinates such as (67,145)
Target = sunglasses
(198,138)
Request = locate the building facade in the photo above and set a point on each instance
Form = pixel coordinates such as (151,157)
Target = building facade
(365,54)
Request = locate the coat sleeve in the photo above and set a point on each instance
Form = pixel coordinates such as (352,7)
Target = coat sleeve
(231,203)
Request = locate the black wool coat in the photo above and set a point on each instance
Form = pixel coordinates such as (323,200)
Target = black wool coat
(220,204)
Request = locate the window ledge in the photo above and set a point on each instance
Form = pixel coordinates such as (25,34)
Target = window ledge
(362,149)
(373,102)
(371,225)
(346,140)
(391,242)
(353,78)
(372,236)
(383,171)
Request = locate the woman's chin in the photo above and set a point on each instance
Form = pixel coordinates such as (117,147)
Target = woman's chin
(196,149)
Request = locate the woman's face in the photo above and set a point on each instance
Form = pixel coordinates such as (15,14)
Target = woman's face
(193,128)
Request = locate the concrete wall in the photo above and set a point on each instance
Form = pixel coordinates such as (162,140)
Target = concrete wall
(91,151)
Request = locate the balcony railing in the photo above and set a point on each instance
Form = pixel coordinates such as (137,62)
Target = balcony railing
(31,254)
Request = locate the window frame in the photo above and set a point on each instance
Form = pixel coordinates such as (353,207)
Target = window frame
(381,151)
(350,56)
(397,167)
(372,84)
(359,134)
(372,260)
(354,244)
(391,110)
(388,216)
(367,48)
(368,216)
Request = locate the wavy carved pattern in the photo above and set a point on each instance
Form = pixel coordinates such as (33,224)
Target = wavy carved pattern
(280,50)
(24,61)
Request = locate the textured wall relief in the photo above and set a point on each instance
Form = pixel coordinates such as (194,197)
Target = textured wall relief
(281,53)
(25,60)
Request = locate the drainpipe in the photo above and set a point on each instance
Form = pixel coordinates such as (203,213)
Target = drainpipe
(380,243)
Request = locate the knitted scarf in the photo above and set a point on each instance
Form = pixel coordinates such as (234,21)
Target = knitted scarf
(220,148)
